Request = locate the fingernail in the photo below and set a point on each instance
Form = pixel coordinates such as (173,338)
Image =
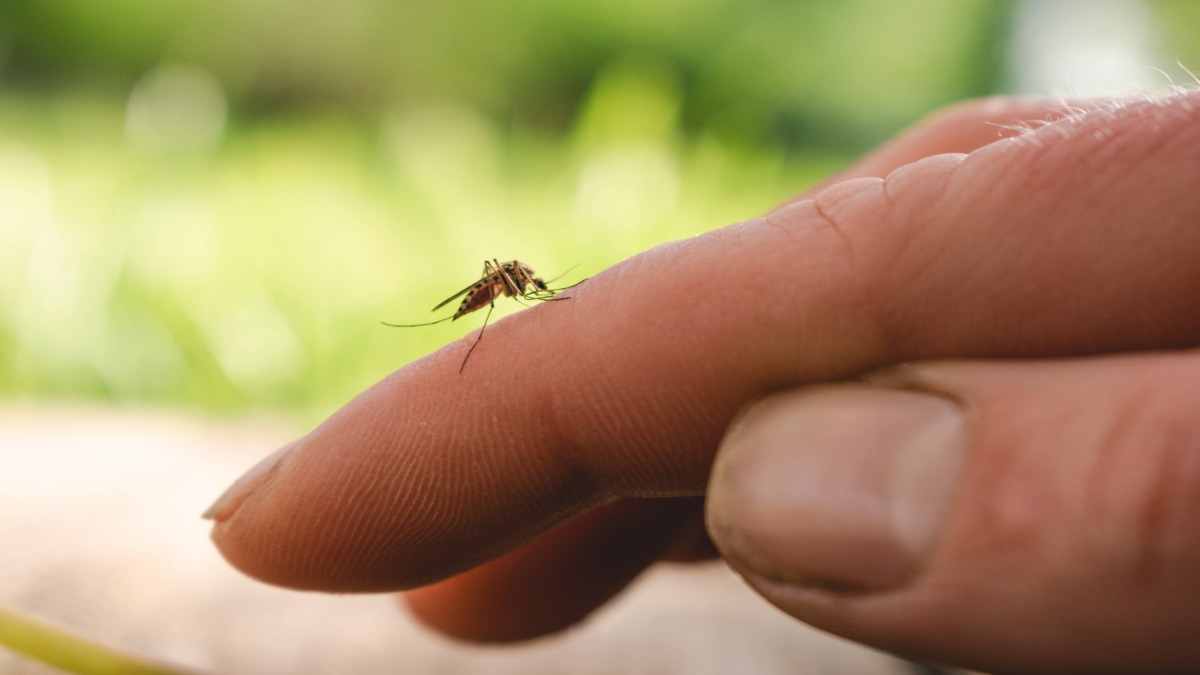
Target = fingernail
(235,494)
(843,487)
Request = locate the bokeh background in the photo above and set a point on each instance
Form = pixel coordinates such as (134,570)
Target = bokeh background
(208,207)
(212,205)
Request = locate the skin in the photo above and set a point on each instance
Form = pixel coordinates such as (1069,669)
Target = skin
(1031,298)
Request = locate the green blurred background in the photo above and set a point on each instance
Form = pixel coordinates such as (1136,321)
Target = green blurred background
(212,205)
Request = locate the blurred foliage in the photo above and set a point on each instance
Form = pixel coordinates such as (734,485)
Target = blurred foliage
(255,271)
(214,204)
(1179,21)
(837,73)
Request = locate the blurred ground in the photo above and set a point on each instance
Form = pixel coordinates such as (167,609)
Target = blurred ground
(101,532)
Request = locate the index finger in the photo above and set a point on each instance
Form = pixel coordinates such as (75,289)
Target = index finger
(626,388)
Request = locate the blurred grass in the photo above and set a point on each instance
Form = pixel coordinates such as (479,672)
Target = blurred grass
(820,73)
(59,648)
(251,269)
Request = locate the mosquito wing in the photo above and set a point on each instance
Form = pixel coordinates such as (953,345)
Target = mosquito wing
(459,294)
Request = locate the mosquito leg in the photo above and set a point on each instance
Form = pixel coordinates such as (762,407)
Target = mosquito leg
(511,288)
(571,286)
(491,272)
(478,338)
(414,325)
(544,296)
(520,278)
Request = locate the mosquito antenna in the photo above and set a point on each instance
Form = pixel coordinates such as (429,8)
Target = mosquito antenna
(565,274)
(415,325)
(477,339)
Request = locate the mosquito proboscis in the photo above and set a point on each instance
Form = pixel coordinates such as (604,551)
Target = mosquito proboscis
(513,279)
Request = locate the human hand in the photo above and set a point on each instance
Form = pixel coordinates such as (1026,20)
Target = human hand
(1032,504)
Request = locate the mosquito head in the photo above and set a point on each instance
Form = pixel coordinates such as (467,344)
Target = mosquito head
(539,284)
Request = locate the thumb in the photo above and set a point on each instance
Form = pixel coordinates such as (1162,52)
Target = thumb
(1040,517)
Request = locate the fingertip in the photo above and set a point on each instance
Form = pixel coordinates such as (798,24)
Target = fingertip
(237,493)
(408,484)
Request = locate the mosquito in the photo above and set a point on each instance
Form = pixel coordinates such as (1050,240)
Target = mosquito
(513,279)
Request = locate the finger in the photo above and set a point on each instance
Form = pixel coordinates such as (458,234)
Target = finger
(626,388)
(1012,517)
(958,129)
(563,576)
(464,607)
(559,579)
